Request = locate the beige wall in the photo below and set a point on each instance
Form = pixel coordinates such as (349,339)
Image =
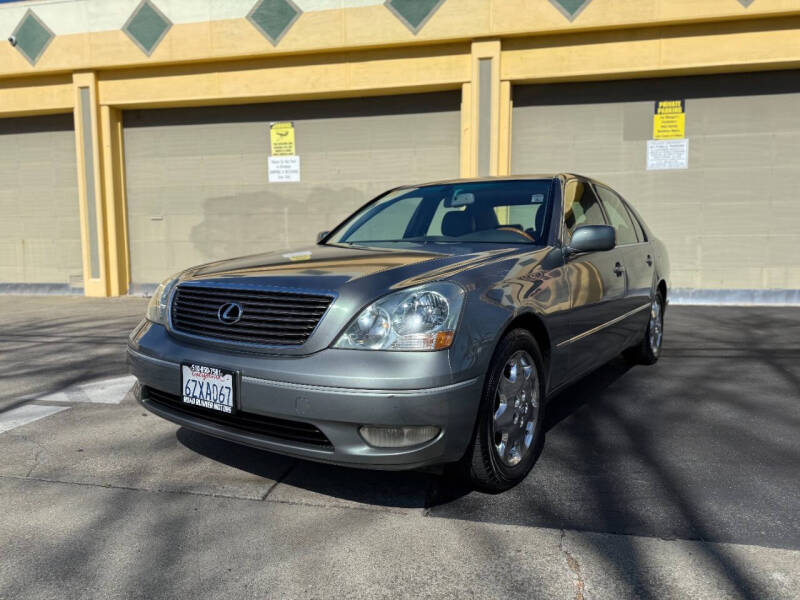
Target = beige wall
(213,56)
(40,238)
(197,182)
(732,220)
(86,45)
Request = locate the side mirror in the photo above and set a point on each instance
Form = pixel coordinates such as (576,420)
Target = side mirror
(322,235)
(592,238)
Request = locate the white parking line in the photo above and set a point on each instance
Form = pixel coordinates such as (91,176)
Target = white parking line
(107,391)
(16,417)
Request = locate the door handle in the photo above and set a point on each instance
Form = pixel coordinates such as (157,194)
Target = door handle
(619,269)
(649,261)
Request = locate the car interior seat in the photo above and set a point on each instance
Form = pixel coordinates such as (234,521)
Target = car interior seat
(457,223)
(484,216)
(537,232)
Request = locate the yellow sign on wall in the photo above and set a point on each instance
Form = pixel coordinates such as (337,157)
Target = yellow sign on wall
(281,139)
(669,121)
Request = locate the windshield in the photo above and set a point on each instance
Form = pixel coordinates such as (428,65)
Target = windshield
(492,212)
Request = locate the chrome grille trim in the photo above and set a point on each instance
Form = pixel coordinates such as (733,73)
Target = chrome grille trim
(270,317)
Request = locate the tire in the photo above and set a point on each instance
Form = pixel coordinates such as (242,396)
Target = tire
(490,464)
(647,351)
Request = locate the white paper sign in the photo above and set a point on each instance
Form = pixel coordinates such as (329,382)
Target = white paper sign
(667,154)
(284,169)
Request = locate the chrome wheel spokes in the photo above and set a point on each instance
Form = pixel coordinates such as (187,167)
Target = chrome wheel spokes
(516,409)
(656,326)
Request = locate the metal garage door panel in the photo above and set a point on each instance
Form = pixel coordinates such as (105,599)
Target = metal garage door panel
(197,182)
(40,243)
(731,219)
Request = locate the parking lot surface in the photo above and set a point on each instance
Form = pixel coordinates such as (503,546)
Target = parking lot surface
(677,480)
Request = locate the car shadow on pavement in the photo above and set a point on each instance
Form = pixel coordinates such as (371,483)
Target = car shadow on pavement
(388,489)
(573,398)
(318,483)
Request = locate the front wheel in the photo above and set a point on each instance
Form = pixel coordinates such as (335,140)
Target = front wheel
(509,433)
(647,351)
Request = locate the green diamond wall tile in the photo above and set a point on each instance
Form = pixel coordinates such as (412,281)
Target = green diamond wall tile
(570,8)
(147,26)
(414,13)
(33,36)
(273,18)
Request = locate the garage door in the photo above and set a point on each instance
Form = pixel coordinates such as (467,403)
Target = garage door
(198,186)
(40,236)
(731,218)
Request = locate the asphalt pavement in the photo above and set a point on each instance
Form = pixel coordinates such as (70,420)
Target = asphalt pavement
(678,480)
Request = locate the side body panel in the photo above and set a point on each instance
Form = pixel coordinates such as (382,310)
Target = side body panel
(597,294)
(598,287)
(637,259)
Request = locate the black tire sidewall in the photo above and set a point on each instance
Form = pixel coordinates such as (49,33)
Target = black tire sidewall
(518,339)
(647,350)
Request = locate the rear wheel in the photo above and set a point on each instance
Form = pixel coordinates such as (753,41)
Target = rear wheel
(647,351)
(509,433)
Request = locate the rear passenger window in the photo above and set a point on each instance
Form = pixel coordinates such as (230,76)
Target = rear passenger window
(619,217)
(636,225)
(581,206)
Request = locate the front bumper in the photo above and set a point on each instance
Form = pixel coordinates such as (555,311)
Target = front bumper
(374,397)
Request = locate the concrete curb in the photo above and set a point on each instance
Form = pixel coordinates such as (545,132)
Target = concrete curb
(689,297)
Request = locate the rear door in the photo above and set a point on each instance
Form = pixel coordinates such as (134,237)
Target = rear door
(637,257)
(597,286)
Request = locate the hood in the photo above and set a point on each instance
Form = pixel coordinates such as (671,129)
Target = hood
(323,267)
(355,276)
(332,268)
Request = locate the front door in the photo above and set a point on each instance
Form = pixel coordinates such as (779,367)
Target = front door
(597,283)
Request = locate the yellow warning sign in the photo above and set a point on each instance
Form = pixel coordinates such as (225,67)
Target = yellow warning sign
(281,139)
(669,121)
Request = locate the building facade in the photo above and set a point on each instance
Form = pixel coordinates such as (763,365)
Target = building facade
(139,137)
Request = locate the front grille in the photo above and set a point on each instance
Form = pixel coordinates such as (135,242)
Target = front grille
(281,429)
(267,317)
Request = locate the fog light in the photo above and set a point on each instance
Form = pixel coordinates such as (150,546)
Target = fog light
(398,437)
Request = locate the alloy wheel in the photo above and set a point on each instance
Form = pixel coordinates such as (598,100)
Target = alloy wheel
(516,409)
(656,325)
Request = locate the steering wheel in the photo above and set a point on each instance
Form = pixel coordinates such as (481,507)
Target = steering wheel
(524,234)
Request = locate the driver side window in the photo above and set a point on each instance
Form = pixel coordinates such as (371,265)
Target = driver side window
(388,223)
(581,206)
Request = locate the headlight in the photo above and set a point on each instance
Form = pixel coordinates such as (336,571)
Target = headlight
(419,318)
(157,309)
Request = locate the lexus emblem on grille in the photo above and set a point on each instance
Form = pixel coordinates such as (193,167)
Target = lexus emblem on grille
(230,313)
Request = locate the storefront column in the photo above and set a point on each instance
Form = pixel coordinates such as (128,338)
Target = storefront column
(90,185)
(116,222)
(485,108)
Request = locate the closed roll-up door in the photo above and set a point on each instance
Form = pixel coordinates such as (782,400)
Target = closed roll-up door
(730,220)
(197,179)
(40,235)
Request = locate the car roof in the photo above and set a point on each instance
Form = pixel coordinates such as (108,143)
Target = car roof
(562,176)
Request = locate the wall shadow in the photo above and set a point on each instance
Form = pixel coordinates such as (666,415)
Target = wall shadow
(49,343)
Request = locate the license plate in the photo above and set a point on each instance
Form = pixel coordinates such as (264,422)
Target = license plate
(208,387)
